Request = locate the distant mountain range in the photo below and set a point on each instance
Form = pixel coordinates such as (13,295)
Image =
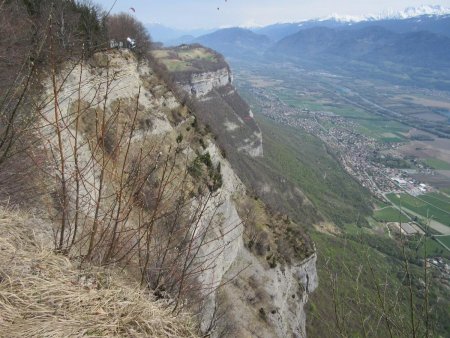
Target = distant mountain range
(373,44)
(414,44)
(435,19)
(408,13)
(236,42)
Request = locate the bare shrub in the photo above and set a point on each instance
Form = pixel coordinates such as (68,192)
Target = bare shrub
(123,26)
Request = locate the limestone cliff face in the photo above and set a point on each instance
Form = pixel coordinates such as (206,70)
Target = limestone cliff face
(200,84)
(269,302)
(218,104)
(290,288)
(233,274)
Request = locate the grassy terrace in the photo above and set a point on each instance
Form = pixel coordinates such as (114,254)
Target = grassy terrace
(424,205)
(189,58)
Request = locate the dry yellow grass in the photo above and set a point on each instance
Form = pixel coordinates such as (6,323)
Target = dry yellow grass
(43,294)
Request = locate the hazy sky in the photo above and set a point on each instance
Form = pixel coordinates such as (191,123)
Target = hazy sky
(190,14)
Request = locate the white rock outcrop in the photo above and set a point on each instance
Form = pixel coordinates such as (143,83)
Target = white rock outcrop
(223,251)
(290,317)
(200,84)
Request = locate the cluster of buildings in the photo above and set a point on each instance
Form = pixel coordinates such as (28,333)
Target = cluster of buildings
(355,150)
(128,43)
(410,185)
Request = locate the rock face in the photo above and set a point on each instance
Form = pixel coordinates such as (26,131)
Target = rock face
(277,294)
(285,288)
(218,104)
(291,317)
(225,240)
(266,302)
(200,84)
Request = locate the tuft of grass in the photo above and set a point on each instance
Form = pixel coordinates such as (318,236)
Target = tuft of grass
(43,294)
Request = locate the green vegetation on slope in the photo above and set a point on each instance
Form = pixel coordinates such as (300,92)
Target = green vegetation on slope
(353,264)
(346,302)
(305,161)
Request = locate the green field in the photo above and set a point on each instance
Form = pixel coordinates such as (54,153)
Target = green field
(380,128)
(381,204)
(445,190)
(444,240)
(420,207)
(439,200)
(368,124)
(437,164)
(390,214)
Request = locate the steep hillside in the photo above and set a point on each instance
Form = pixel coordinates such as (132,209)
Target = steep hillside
(219,106)
(206,79)
(132,179)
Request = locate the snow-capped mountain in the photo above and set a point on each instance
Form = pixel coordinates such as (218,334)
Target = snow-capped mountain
(408,13)
(412,12)
(435,19)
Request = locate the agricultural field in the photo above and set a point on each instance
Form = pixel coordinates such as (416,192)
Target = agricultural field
(445,190)
(388,131)
(437,164)
(439,200)
(444,240)
(390,214)
(369,124)
(422,207)
(436,151)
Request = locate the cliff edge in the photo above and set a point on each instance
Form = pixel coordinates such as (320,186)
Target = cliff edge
(135,180)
